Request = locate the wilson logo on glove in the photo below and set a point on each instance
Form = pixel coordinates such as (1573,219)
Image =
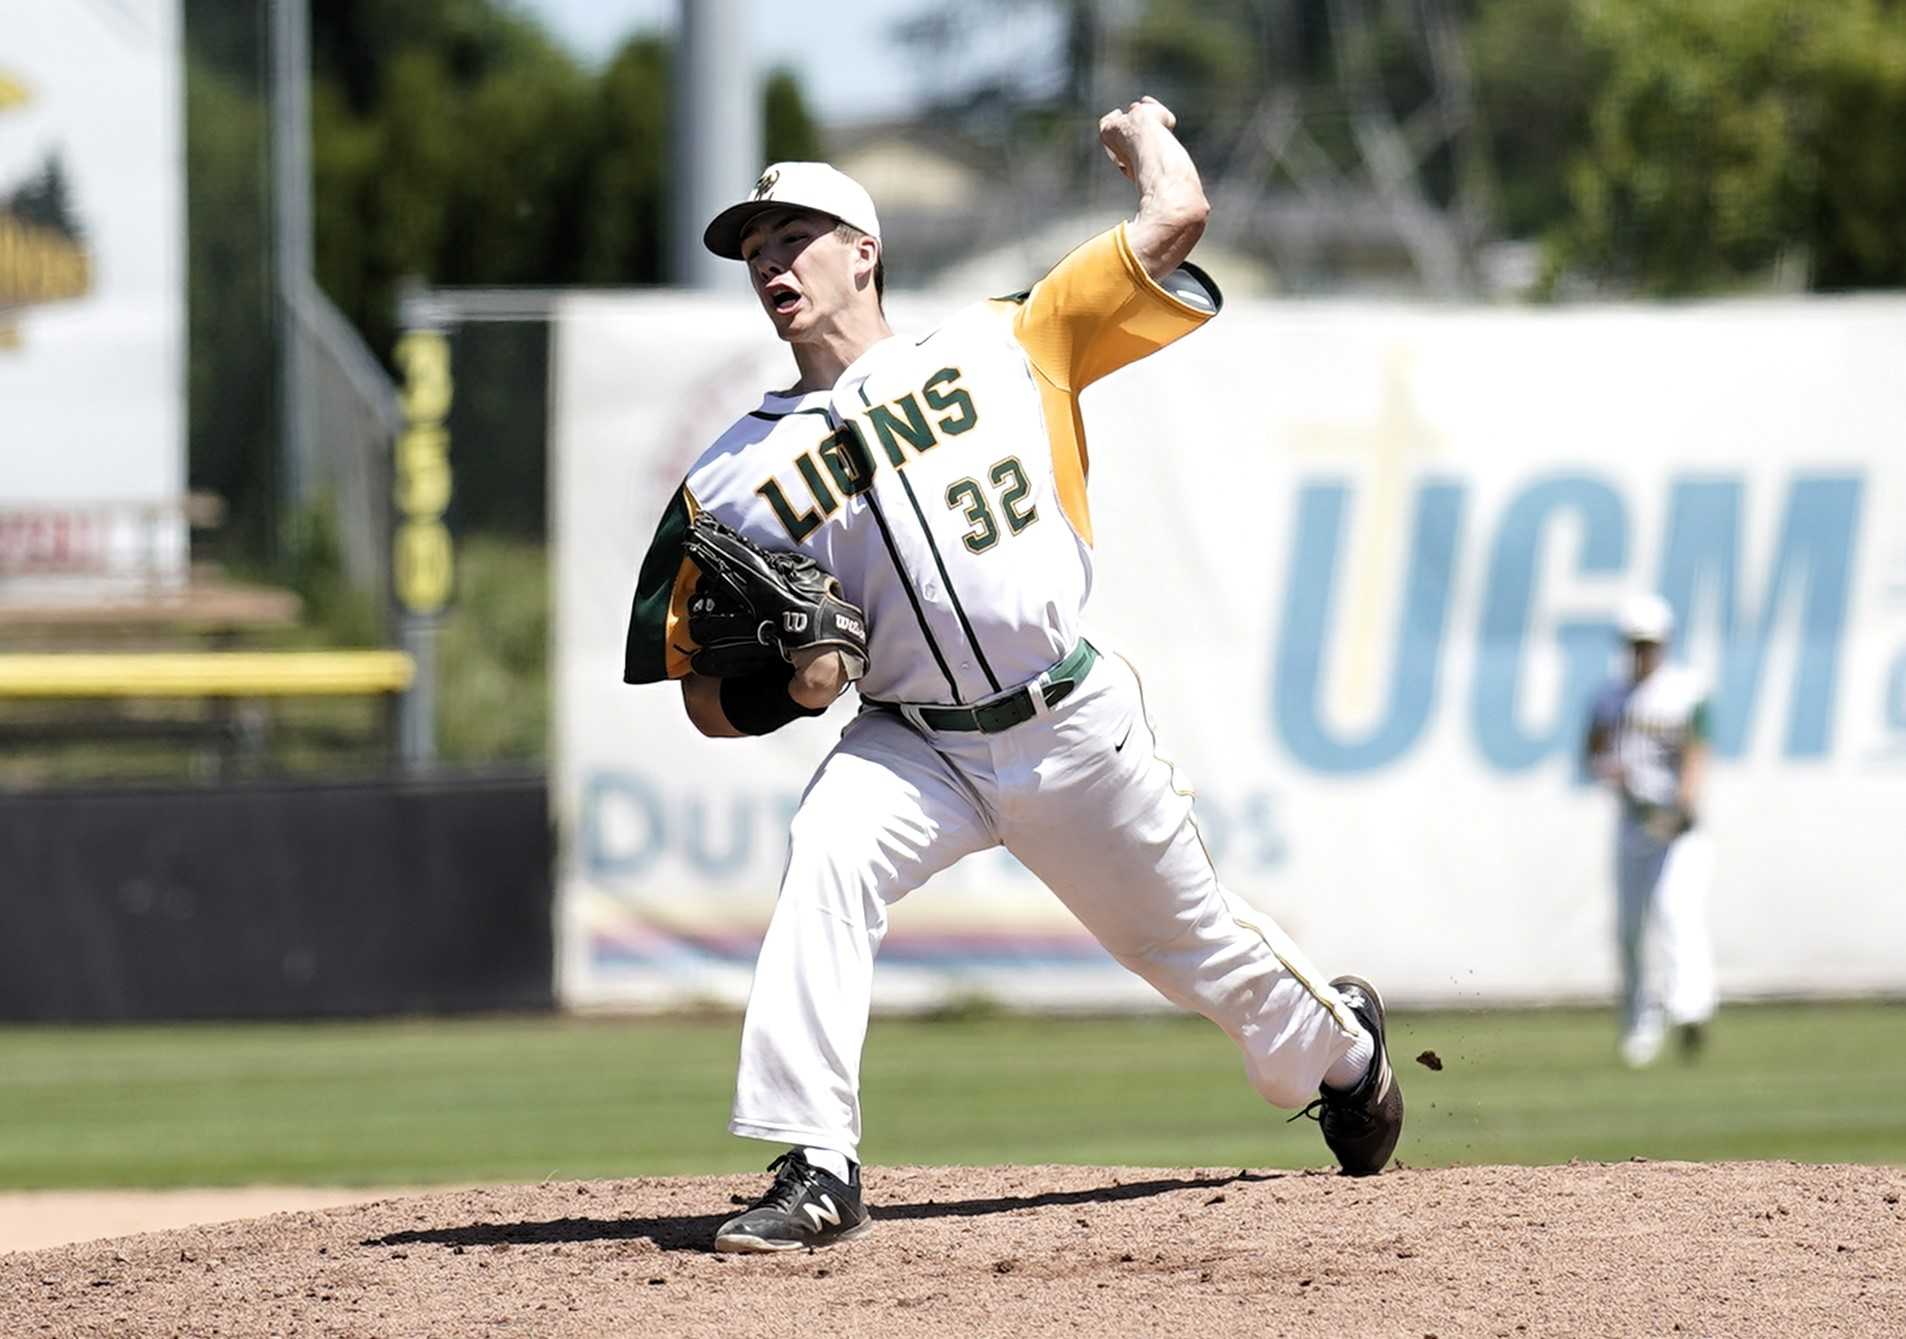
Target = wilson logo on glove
(745,593)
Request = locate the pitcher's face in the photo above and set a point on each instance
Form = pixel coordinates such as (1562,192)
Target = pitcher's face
(801,269)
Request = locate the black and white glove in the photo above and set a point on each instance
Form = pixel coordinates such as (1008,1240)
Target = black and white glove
(752,609)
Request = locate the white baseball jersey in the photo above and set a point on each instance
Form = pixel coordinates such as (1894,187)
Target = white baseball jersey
(941,479)
(1649,726)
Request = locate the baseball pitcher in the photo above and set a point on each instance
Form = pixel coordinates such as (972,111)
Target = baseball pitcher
(1648,741)
(911,517)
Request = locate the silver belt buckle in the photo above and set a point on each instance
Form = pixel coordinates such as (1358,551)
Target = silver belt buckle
(1040,708)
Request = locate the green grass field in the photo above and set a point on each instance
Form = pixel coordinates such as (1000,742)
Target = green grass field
(419,1101)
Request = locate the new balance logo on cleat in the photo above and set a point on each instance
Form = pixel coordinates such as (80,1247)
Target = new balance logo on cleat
(805,1208)
(824,1212)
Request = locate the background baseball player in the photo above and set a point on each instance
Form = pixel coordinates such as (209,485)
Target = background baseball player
(1648,740)
(942,479)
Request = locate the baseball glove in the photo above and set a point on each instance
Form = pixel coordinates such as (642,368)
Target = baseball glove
(752,609)
(1665,822)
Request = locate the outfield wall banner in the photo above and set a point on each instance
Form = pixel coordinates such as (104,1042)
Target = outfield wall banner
(92,294)
(1366,559)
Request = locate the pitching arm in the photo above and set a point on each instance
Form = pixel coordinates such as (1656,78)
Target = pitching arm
(1172,208)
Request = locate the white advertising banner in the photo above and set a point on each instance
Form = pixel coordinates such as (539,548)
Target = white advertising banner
(1367,560)
(92,293)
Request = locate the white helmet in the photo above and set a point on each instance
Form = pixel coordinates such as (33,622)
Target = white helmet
(1646,617)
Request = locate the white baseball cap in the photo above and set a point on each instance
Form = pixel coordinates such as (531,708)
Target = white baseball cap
(818,186)
(1646,618)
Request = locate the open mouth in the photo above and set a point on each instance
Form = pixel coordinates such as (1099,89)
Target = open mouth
(784,299)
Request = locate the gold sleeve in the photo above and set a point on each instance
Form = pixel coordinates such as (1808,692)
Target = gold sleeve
(1098,310)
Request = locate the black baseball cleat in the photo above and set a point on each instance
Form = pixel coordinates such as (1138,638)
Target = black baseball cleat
(805,1208)
(1693,1042)
(1362,1124)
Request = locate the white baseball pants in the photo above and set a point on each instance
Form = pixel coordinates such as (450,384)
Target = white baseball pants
(1081,798)
(1664,886)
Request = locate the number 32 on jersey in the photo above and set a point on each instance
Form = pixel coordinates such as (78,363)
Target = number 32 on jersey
(842,464)
(1009,479)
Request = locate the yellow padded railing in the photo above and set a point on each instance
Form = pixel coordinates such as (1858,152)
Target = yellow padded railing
(206,674)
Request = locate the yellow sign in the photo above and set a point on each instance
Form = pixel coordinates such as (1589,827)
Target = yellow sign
(39,265)
(423,567)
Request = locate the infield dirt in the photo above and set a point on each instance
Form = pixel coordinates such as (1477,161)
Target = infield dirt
(1747,1249)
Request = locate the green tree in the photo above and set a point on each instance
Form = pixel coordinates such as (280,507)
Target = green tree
(459,170)
(229,311)
(788,130)
(625,194)
(1857,223)
(453,143)
(1731,136)
(1536,79)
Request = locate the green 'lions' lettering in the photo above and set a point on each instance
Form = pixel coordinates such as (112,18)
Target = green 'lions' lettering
(953,424)
(898,424)
(886,425)
(845,454)
(816,485)
(798,527)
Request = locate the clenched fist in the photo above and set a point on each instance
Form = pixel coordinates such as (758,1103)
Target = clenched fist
(1120,129)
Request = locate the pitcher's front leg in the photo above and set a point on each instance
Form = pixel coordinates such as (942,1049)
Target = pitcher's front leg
(883,814)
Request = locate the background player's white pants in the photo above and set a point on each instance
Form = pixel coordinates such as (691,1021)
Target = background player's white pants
(1664,885)
(1081,798)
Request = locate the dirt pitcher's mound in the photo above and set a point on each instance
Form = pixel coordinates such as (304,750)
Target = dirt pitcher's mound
(1745,1249)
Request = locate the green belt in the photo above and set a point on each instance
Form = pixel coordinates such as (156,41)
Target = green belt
(1003,713)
